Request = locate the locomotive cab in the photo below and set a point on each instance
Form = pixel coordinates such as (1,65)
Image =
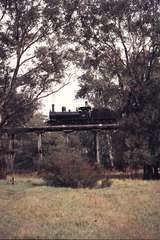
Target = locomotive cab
(84,109)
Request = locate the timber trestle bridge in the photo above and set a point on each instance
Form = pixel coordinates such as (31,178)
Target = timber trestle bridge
(11,133)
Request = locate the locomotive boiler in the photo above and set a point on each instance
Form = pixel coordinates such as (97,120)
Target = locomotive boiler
(83,115)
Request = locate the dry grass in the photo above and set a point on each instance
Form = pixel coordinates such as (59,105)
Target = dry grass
(129,209)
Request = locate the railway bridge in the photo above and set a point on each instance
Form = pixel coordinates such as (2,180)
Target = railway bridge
(11,134)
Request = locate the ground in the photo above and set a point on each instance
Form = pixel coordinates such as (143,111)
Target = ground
(129,209)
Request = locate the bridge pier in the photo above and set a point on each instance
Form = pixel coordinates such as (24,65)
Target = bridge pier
(40,153)
(3,155)
(10,132)
(97,148)
(11,157)
(67,139)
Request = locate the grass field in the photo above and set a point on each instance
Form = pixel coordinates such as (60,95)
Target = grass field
(129,209)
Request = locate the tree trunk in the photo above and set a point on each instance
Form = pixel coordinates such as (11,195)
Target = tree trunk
(148,172)
(156,169)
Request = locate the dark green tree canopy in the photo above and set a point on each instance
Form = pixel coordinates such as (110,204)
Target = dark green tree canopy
(117,46)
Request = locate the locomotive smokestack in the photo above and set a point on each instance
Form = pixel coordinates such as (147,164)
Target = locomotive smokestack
(52,107)
(63,109)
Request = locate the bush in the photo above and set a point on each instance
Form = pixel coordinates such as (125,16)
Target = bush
(69,170)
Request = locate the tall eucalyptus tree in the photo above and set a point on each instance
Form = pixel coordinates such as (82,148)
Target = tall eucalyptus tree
(117,45)
(29,61)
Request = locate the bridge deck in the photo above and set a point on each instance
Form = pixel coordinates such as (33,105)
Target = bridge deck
(58,128)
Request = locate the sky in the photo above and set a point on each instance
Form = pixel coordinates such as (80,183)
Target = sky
(64,97)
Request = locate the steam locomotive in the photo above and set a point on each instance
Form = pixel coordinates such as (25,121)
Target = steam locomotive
(83,115)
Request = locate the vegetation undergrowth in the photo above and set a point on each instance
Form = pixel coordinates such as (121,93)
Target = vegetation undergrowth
(71,169)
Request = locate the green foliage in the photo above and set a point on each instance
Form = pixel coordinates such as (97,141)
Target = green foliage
(116,44)
(118,51)
(69,170)
(29,63)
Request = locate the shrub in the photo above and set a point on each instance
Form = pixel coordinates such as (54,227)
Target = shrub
(69,170)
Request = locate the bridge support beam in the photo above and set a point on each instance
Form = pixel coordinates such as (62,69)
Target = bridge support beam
(97,148)
(40,153)
(3,155)
(67,139)
(110,150)
(11,157)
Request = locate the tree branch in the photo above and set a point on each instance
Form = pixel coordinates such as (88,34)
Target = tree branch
(26,60)
(48,94)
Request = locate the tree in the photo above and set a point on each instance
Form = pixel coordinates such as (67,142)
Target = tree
(118,48)
(29,61)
